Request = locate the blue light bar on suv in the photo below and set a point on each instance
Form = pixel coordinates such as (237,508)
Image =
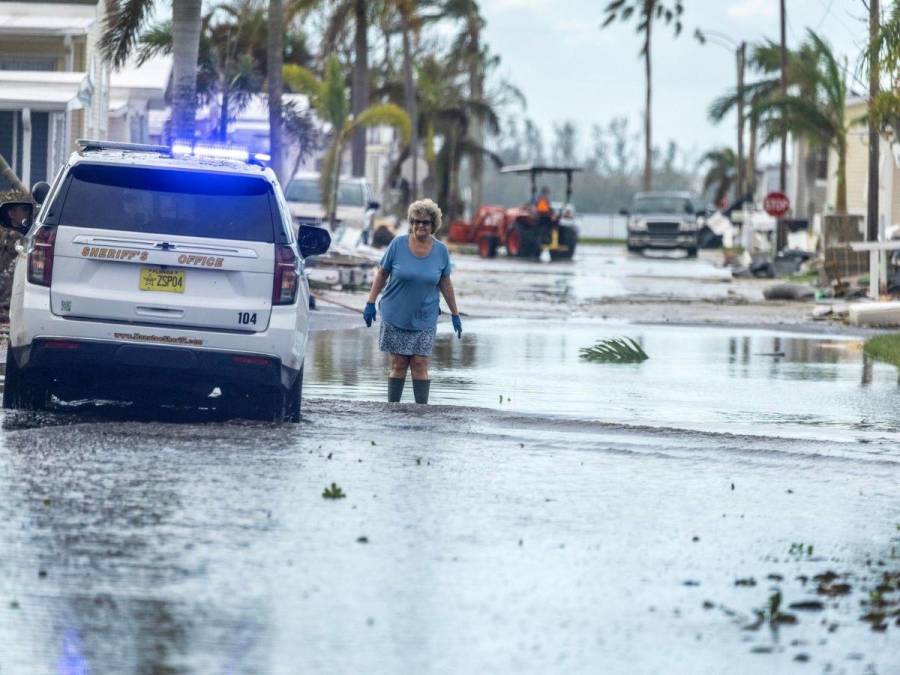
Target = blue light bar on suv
(219,152)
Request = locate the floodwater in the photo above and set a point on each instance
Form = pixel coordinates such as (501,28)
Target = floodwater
(600,518)
(722,380)
(469,540)
(599,272)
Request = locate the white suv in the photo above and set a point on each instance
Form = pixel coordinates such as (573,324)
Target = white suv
(153,276)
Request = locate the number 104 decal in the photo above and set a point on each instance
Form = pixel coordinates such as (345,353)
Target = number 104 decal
(247,318)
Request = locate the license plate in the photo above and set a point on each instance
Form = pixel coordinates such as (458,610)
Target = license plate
(156,279)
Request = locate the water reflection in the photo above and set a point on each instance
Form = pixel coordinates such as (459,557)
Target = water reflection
(710,378)
(116,543)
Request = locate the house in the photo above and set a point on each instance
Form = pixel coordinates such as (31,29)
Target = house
(858,171)
(56,88)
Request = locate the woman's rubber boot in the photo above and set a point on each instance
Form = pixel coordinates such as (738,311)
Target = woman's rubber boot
(395,389)
(420,390)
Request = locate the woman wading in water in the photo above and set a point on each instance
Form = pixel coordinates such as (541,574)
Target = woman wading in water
(414,269)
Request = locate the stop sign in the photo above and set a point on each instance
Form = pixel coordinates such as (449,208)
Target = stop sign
(777,204)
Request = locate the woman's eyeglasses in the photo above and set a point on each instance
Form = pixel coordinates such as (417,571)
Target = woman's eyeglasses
(416,223)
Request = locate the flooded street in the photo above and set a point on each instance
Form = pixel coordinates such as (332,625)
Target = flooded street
(545,515)
(469,540)
(725,380)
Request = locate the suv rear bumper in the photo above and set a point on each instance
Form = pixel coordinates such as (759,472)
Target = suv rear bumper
(96,364)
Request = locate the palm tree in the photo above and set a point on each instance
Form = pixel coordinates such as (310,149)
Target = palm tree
(645,13)
(721,172)
(343,13)
(754,94)
(446,112)
(885,109)
(328,97)
(125,20)
(230,66)
(468,49)
(274,64)
(816,110)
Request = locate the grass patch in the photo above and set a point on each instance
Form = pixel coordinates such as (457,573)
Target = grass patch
(884,348)
(608,241)
(805,278)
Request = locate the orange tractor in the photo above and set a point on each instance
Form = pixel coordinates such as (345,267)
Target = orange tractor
(525,231)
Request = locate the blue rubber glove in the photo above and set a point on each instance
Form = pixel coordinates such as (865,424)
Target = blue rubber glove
(369,313)
(457,325)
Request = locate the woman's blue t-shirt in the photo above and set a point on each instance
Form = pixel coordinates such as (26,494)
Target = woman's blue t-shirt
(411,298)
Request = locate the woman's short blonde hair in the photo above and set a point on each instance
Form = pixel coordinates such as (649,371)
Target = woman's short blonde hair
(425,209)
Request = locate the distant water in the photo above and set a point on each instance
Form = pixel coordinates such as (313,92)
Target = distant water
(606,225)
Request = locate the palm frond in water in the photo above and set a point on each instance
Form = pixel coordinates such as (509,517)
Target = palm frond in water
(614,350)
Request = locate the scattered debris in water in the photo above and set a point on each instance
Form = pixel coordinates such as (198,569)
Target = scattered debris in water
(333,492)
(614,350)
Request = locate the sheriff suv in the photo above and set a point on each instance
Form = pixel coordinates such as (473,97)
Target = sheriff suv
(160,275)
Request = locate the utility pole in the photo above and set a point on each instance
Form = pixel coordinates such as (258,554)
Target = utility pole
(874,74)
(780,233)
(741,59)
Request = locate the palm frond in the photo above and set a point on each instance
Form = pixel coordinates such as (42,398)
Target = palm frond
(388,114)
(124,20)
(340,18)
(154,41)
(614,350)
(301,80)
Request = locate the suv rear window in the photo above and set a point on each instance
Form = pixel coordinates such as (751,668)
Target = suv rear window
(166,201)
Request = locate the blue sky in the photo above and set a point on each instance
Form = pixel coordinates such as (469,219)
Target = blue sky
(569,69)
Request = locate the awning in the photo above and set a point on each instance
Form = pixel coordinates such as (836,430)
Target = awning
(39,90)
(46,18)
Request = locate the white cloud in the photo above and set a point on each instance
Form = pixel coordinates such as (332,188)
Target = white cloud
(747,9)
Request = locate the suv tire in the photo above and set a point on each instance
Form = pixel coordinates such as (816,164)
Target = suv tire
(293,400)
(21,392)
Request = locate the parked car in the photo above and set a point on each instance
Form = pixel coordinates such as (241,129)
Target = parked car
(355,208)
(150,275)
(664,220)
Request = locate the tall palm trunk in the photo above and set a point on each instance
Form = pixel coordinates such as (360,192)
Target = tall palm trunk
(840,207)
(409,94)
(360,84)
(476,134)
(751,156)
(648,140)
(275,59)
(185,49)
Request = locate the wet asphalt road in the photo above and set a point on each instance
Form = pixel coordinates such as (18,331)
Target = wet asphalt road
(470,539)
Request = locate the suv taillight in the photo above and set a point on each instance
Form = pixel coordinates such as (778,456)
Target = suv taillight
(40,260)
(286,282)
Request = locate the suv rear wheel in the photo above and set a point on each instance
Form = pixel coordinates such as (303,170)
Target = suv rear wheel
(23,391)
(268,404)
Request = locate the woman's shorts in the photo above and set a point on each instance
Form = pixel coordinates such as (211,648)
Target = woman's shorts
(406,342)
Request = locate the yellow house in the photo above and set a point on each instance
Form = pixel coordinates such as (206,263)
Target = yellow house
(858,171)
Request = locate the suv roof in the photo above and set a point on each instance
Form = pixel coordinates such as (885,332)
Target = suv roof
(127,154)
(313,175)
